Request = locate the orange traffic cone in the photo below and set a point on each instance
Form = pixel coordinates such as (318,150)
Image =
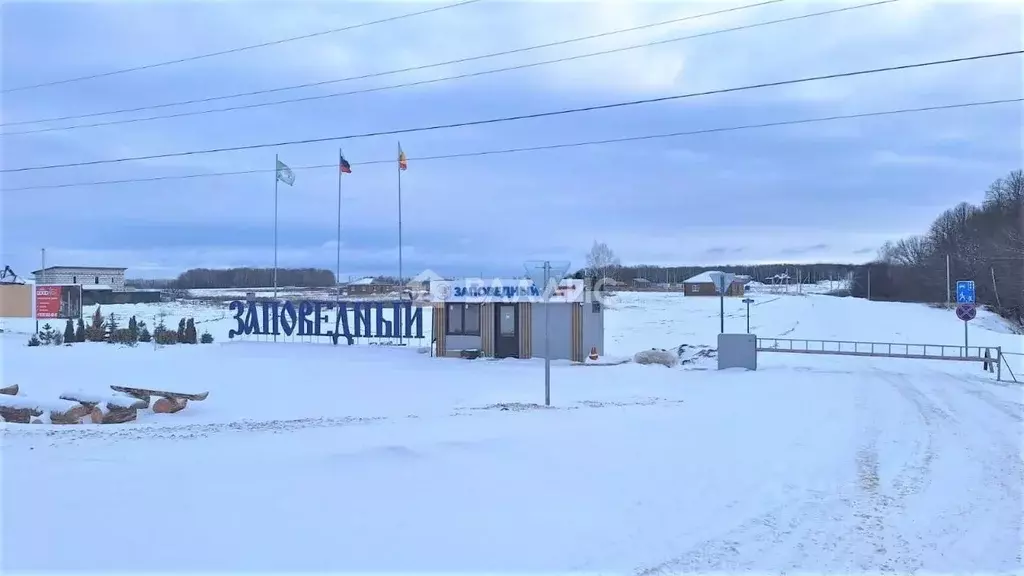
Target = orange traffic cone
(593,352)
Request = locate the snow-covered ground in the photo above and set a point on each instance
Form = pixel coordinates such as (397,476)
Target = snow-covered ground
(372,458)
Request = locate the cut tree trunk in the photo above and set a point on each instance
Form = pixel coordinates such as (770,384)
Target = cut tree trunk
(19,415)
(169,405)
(71,416)
(113,415)
(11,390)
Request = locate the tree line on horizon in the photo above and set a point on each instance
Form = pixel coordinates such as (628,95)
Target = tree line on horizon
(239,277)
(983,243)
(805,273)
(245,277)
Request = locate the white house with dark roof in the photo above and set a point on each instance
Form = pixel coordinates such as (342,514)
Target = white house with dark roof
(88,277)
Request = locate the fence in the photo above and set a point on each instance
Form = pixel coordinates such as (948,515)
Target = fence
(984,354)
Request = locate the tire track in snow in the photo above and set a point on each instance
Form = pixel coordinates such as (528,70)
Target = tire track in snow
(915,475)
(780,537)
(877,546)
(981,477)
(1001,453)
(746,546)
(1012,409)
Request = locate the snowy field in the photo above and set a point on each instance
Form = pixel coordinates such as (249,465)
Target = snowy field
(369,458)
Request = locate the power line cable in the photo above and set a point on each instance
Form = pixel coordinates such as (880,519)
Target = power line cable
(236,50)
(334,165)
(435,80)
(411,68)
(519,117)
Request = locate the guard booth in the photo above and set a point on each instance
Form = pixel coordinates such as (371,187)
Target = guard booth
(504,318)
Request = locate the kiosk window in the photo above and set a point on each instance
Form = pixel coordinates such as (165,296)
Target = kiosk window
(463,319)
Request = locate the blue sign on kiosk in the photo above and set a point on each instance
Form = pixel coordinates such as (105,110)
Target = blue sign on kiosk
(965,292)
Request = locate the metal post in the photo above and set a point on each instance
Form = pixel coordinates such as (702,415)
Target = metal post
(547,336)
(965,338)
(999,364)
(276,179)
(721,311)
(748,317)
(399,218)
(399,236)
(337,274)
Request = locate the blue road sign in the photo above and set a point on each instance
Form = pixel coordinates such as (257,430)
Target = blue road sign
(965,292)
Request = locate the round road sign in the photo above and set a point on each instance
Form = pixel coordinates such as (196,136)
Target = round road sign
(966,312)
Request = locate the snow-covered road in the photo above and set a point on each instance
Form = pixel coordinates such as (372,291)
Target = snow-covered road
(833,466)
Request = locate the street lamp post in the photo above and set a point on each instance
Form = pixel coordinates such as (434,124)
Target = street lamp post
(748,302)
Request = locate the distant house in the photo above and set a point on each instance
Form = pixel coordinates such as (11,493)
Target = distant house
(422,280)
(641,283)
(100,284)
(368,285)
(98,278)
(703,285)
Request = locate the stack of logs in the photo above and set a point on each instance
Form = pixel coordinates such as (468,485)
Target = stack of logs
(80,407)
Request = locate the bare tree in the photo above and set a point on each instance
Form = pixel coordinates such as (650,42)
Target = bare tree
(601,261)
(982,243)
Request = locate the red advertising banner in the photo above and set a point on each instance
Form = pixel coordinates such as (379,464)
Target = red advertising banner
(58,301)
(48,301)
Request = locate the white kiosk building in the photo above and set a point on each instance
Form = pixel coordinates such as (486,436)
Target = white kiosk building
(504,318)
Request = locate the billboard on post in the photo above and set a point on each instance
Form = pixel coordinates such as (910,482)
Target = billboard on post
(58,301)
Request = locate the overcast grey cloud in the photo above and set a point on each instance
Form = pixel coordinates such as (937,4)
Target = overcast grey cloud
(829,191)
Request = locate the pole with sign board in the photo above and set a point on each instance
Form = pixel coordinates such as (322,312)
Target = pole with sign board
(966,312)
(965,305)
(722,281)
(544,274)
(748,302)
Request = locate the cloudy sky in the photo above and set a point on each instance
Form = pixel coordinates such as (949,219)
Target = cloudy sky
(814,192)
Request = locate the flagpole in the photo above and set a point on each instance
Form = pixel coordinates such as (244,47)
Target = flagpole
(400,158)
(337,278)
(277,178)
(399,217)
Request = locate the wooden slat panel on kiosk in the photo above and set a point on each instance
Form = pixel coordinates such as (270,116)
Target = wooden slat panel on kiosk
(487,329)
(525,311)
(438,328)
(578,352)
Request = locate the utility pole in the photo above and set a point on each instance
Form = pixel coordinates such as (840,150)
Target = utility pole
(995,288)
(547,336)
(949,290)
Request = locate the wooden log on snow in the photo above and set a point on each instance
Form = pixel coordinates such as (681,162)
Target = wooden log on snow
(18,410)
(22,410)
(146,393)
(112,415)
(11,390)
(73,415)
(111,401)
(169,405)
